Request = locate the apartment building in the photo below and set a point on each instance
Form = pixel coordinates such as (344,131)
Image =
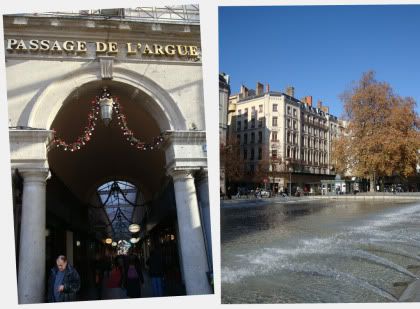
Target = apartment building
(289,137)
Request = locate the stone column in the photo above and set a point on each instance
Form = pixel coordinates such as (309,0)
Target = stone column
(194,259)
(203,193)
(31,274)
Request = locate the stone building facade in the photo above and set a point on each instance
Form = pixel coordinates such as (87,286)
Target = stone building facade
(224,93)
(290,137)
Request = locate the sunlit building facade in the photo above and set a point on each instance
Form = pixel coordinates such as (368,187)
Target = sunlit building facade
(289,137)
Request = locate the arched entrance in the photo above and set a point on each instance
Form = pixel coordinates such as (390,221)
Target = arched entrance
(165,177)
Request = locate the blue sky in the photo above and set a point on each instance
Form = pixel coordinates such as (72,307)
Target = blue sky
(321,50)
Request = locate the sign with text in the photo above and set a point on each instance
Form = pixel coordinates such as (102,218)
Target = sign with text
(84,48)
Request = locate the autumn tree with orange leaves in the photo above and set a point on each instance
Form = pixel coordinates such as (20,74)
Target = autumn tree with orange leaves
(383,133)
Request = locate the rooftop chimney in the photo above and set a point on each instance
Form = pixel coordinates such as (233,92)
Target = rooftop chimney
(319,104)
(325,109)
(308,100)
(244,91)
(259,88)
(267,88)
(290,91)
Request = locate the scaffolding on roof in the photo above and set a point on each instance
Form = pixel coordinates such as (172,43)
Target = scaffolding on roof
(175,14)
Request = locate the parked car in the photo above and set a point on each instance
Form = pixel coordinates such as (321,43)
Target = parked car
(265,193)
(399,188)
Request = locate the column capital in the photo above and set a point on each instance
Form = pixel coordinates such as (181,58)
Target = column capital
(28,147)
(185,150)
(34,174)
(180,174)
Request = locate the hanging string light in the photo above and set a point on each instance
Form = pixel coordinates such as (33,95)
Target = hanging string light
(103,106)
(129,135)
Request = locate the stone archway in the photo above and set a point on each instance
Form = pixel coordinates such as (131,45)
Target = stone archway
(184,154)
(49,102)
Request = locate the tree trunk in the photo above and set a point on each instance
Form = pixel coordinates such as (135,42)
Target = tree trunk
(372,183)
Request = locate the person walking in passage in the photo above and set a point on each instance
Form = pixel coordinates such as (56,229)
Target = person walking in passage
(134,277)
(114,289)
(156,272)
(99,270)
(64,282)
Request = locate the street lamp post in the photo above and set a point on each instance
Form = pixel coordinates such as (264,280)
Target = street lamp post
(290,180)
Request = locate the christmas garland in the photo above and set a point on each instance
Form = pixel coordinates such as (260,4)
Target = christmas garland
(88,131)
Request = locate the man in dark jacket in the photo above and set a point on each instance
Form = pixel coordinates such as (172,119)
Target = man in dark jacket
(64,282)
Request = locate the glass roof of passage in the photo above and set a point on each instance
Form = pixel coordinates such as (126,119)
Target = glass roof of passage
(118,199)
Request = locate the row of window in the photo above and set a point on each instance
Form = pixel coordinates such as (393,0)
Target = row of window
(292,153)
(315,131)
(291,124)
(247,125)
(291,111)
(252,154)
(253,111)
(245,138)
(314,143)
(315,120)
(309,156)
(274,107)
(291,138)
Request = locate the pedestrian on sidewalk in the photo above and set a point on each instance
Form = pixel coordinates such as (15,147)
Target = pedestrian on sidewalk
(257,192)
(238,194)
(64,282)
(134,277)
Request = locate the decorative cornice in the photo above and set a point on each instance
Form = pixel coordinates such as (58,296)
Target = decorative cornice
(184,136)
(30,135)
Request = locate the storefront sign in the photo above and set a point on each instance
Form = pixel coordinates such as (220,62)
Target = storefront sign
(129,49)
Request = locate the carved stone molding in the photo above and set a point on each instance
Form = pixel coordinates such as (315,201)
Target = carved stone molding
(28,148)
(106,63)
(185,150)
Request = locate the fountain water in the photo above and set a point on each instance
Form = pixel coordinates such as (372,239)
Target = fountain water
(336,252)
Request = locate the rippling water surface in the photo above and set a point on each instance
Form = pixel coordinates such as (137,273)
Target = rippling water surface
(319,251)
